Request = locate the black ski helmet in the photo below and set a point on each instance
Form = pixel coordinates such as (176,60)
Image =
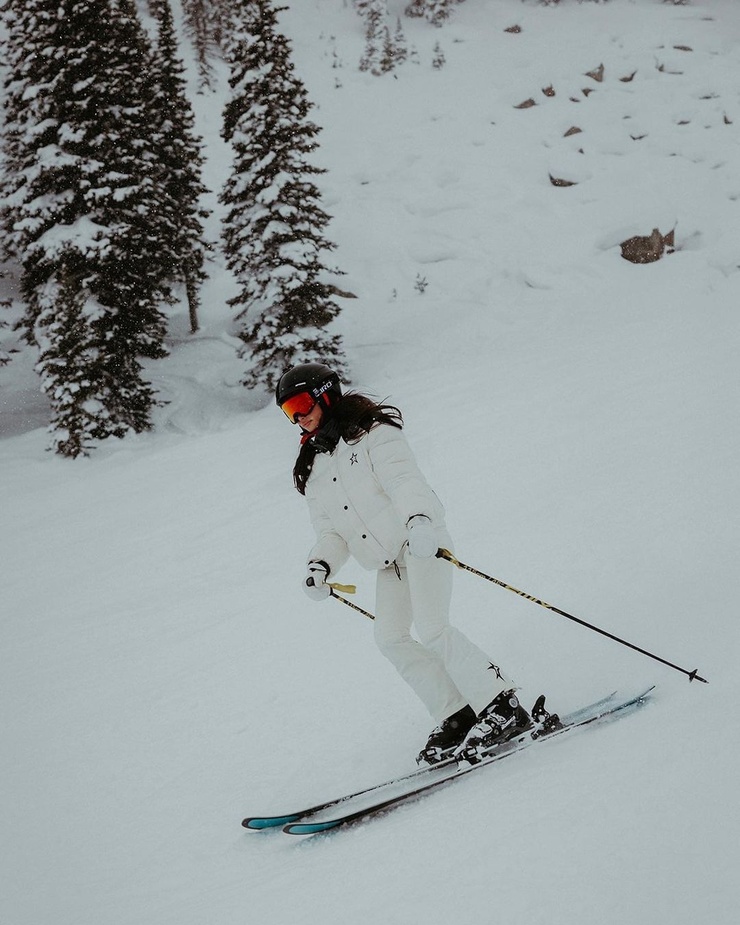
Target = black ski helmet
(316,378)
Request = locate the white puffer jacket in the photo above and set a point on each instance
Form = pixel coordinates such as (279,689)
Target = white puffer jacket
(361,496)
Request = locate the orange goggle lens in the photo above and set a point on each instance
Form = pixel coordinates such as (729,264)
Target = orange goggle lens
(302,403)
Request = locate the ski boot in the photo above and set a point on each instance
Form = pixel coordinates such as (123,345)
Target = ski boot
(443,740)
(502,720)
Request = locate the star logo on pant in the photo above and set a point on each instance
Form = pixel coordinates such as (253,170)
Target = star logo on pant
(495,668)
(353,459)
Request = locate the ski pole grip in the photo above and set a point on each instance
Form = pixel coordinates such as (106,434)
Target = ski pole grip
(443,553)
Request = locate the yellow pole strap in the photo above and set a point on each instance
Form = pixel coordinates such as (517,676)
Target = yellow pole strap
(345,589)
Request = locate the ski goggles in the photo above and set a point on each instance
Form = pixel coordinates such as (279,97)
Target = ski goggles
(302,403)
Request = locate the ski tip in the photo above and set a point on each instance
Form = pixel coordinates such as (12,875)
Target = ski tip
(641,697)
(310,828)
(259,823)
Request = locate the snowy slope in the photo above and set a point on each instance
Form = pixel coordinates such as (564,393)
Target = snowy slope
(162,675)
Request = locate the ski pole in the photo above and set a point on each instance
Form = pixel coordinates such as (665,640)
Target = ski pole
(446,554)
(348,589)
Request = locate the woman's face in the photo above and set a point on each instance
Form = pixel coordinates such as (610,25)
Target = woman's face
(311,421)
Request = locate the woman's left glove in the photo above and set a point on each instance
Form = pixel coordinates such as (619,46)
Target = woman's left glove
(422,537)
(315,584)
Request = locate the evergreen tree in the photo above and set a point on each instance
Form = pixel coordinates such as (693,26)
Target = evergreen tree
(364,6)
(203,23)
(85,211)
(94,393)
(378,55)
(4,355)
(388,58)
(436,12)
(274,228)
(180,162)
(400,46)
(416,8)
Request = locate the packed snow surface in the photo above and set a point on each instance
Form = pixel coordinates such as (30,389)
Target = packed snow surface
(163,675)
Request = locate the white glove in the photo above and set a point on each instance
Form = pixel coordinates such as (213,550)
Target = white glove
(315,584)
(422,537)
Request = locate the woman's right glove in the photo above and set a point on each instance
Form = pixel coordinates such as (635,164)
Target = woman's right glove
(315,584)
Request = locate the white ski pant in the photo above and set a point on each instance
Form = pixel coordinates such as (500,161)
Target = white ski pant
(444,668)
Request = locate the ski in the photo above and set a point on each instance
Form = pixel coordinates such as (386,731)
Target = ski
(260,823)
(459,770)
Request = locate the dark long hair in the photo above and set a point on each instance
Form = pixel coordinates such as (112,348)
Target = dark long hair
(352,417)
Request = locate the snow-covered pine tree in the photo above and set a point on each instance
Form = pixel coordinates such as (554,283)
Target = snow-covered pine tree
(68,350)
(436,12)
(416,8)
(203,24)
(18,115)
(180,161)
(363,6)
(94,393)
(4,355)
(388,59)
(378,54)
(83,203)
(274,227)
(439,11)
(400,46)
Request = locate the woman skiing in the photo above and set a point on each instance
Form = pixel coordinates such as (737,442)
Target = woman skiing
(368,499)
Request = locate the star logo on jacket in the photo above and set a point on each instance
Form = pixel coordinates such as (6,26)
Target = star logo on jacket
(353,459)
(495,668)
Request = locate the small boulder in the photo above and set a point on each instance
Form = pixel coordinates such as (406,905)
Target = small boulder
(648,248)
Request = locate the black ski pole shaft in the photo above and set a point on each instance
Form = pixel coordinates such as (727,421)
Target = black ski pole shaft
(343,600)
(446,554)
